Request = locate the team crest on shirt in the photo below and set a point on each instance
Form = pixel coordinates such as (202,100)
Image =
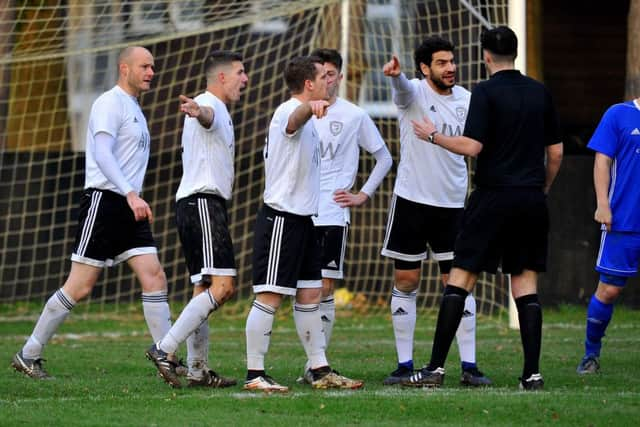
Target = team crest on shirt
(461,114)
(335,128)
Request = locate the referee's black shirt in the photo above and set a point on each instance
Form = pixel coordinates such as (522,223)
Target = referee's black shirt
(513,117)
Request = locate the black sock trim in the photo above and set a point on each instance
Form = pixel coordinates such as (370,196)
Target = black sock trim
(526,300)
(455,290)
(251,374)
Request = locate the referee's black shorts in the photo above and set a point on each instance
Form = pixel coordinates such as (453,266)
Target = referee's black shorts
(508,226)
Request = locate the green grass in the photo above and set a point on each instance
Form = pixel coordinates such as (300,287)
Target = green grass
(102,377)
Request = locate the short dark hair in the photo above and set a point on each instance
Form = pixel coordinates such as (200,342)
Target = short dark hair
(430,45)
(299,70)
(220,57)
(331,56)
(501,42)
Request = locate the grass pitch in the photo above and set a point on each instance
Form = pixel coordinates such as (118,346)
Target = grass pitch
(103,378)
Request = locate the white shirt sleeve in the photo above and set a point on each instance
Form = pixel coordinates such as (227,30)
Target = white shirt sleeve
(379,171)
(107,163)
(287,111)
(401,91)
(106,116)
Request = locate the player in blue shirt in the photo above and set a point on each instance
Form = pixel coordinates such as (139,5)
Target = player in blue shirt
(616,176)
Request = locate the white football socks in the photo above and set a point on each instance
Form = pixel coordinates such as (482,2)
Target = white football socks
(258,332)
(328,316)
(193,315)
(198,349)
(155,306)
(466,333)
(309,327)
(53,314)
(403,318)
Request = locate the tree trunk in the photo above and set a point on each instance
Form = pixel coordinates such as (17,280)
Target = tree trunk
(632,84)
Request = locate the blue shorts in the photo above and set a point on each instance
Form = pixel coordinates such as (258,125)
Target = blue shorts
(619,253)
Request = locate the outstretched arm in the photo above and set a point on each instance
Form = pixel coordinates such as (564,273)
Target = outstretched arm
(456,144)
(303,113)
(191,108)
(400,87)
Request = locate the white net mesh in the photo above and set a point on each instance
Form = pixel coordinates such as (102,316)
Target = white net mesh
(57,56)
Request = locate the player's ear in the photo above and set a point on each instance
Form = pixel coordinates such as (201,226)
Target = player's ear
(424,69)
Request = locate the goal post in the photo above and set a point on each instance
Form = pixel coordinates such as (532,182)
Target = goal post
(57,57)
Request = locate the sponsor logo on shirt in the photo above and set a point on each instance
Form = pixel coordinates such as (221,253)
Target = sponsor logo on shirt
(328,149)
(636,131)
(143,143)
(316,156)
(449,130)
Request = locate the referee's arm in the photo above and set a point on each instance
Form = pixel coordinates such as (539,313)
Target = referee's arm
(554,159)
(464,145)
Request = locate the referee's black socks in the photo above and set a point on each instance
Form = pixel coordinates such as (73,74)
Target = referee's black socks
(451,309)
(530,317)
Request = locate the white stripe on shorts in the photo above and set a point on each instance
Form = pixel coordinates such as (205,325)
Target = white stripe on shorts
(343,251)
(205,225)
(392,211)
(274,250)
(87,229)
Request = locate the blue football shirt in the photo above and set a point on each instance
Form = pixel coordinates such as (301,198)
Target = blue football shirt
(618,136)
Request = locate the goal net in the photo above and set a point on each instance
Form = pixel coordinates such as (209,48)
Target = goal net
(57,56)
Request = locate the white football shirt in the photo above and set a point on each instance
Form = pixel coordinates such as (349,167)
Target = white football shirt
(292,164)
(344,129)
(429,174)
(207,154)
(118,114)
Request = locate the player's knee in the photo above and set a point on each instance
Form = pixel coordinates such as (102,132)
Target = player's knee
(308,295)
(327,287)
(270,298)
(407,280)
(223,291)
(154,280)
(610,287)
(77,289)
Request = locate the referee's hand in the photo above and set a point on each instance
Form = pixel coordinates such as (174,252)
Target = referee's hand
(139,207)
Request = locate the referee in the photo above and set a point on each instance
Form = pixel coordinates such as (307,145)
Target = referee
(511,127)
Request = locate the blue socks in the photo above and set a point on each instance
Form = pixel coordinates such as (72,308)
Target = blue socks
(406,365)
(598,317)
(468,366)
